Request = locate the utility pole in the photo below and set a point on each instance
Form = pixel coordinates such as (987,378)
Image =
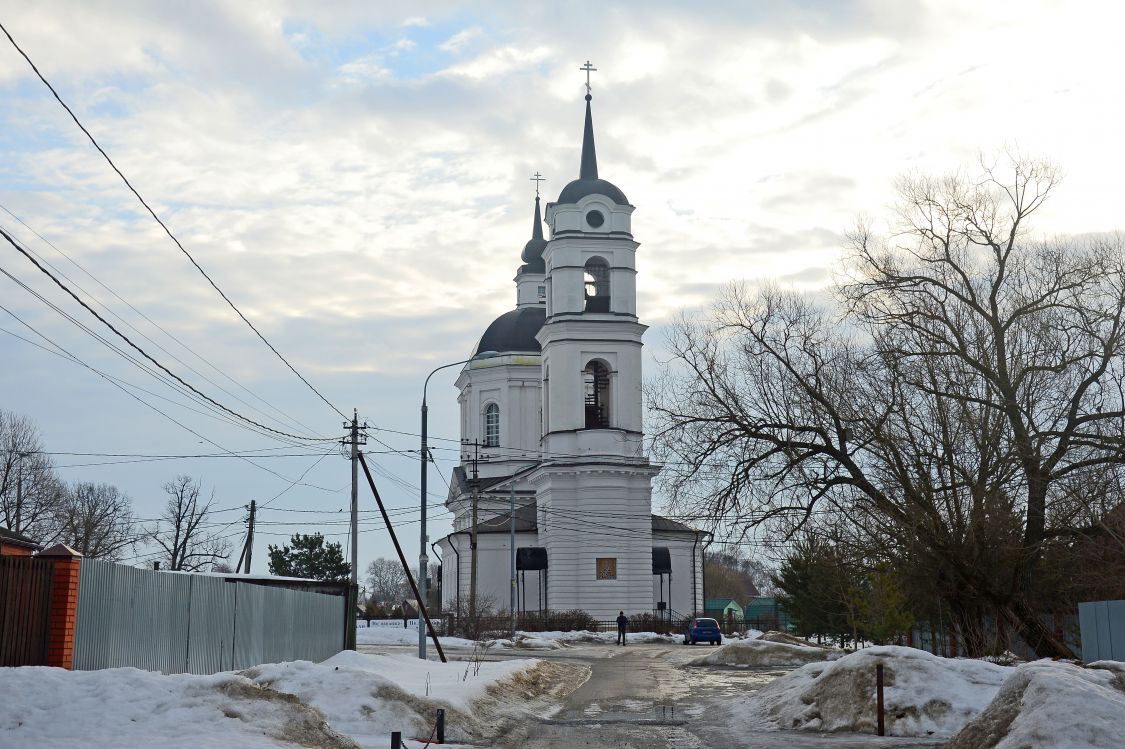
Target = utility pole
(473,537)
(355,438)
(250,534)
(512,543)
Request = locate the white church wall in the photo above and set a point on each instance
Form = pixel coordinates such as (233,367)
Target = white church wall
(493,569)
(591,512)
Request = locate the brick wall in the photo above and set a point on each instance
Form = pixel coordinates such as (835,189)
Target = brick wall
(63,616)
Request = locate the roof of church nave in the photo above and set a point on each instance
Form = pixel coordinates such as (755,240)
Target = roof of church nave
(512,332)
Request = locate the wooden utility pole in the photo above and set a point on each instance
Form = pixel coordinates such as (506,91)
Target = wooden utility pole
(250,534)
(473,537)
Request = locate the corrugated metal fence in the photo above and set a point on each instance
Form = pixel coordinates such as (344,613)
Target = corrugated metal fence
(177,623)
(1103,630)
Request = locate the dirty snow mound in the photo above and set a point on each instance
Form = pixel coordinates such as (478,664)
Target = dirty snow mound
(367,697)
(1047,703)
(51,708)
(764,653)
(607,638)
(788,639)
(924,694)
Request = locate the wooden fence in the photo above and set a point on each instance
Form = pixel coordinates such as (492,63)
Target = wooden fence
(25,605)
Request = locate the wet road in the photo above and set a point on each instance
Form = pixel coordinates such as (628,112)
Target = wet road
(644,696)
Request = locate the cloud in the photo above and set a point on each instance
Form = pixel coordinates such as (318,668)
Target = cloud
(357,178)
(458,41)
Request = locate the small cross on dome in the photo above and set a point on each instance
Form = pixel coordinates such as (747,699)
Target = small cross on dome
(588,68)
(537,178)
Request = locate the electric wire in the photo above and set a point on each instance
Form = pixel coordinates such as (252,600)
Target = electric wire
(11,240)
(153,323)
(163,225)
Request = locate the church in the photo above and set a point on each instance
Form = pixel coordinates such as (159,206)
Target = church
(553,475)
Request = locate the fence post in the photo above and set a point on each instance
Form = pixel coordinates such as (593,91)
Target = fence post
(441,726)
(63,617)
(396,739)
(879,697)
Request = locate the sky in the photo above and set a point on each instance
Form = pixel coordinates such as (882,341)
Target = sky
(356,177)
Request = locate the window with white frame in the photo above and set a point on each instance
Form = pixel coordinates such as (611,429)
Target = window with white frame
(492,425)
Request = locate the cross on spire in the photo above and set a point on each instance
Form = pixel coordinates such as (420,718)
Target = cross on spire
(537,178)
(588,68)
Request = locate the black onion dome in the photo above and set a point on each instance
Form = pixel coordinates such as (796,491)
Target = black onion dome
(532,253)
(513,331)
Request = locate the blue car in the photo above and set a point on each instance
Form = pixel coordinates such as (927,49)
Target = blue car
(703,630)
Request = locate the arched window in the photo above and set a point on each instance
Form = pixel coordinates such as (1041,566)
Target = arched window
(596,379)
(492,425)
(597,285)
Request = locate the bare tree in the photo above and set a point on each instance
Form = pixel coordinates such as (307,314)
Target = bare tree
(949,411)
(182,532)
(97,520)
(386,581)
(30,492)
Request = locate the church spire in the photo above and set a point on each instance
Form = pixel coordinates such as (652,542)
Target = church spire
(589,155)
(537,227)
(589,169)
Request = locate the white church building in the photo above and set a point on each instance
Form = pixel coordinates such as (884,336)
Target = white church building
(551,422)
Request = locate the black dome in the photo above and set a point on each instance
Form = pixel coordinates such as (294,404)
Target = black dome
(513,331)
(580,188)
(533,255)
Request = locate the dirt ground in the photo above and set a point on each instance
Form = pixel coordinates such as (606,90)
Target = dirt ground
(646,697)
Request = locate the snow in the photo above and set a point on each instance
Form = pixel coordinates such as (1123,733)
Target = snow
(924,694)
(402,636)
(607,638)
(49,707)
(346,701)
(368,696)
(1056,704)
(760,652)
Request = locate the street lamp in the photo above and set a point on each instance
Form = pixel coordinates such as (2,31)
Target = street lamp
(423,560)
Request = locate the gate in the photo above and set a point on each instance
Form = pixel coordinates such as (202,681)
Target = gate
(25,603)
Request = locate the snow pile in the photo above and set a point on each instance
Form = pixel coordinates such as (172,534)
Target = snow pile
(1048,703)
(367,697)
(50,708)
(923,694)
(774,636)
(765,653)
(523,641)
(402,636)
(608,638)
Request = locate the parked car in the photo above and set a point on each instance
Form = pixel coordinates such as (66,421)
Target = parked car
(703,630)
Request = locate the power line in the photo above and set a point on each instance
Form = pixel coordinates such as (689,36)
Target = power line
(153,323)
(8,237)
(145,403)
(163,225)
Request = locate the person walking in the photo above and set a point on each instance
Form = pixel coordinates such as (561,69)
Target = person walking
(622,622)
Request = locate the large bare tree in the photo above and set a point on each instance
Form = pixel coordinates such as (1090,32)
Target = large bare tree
(960,405)
(182,532)
(30,492)
(97,520)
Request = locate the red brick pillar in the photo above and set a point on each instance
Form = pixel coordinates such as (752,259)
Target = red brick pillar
(65,563)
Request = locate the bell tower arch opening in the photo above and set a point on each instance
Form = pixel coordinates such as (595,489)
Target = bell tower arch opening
(595,379)
(596,281)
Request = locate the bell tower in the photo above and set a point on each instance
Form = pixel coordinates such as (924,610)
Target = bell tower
(594,465)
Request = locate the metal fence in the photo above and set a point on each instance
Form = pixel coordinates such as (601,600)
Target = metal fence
(183,623)
(1103,630)
(25,597)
